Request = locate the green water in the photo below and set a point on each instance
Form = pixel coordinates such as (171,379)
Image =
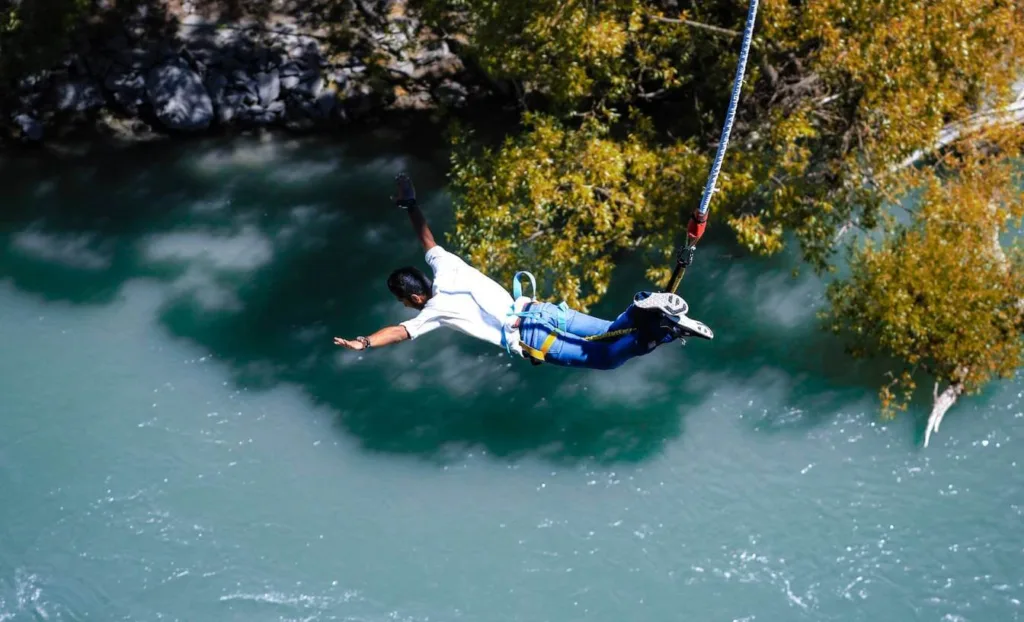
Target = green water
(179,439)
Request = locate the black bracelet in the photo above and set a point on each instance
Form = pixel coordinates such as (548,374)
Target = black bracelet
(406,203)
(364,341)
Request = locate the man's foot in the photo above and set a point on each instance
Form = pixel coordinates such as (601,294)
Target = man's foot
(406,191)
(682,326)
(668,304)
(673,309)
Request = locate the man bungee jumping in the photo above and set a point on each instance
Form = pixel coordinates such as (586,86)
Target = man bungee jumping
(463,298)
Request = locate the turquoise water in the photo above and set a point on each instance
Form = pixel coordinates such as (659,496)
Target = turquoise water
(179,439)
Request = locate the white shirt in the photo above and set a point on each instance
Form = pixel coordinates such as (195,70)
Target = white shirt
(467,300)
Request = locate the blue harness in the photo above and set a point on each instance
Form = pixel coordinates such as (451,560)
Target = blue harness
(537,355)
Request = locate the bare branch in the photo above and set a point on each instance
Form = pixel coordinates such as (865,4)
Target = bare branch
(652,95)
(718,30)
(1013,113)
(940,407)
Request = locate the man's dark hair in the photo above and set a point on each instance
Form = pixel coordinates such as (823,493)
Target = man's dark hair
(407,281)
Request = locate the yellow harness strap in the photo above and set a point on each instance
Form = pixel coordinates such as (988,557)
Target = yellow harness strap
(537,356)
(541,354)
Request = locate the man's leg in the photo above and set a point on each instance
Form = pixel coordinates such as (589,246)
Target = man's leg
(571,349)
(653,318)
(585,325)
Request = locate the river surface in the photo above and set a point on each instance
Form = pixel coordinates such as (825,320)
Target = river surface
(179,439)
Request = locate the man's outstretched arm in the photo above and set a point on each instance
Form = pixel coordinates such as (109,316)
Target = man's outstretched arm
(383,337)
(406,199)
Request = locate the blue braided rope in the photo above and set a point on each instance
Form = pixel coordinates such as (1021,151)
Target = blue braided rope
(741,69)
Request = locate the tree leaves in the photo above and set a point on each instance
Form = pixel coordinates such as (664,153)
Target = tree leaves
(624,102)
(941,294)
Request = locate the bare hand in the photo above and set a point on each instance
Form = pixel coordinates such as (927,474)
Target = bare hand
(351,345)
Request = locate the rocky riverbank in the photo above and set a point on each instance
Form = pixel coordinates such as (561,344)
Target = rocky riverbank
(173,68)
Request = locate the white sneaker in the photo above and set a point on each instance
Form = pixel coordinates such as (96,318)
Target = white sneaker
(683,326)
(669,304)
(673,308)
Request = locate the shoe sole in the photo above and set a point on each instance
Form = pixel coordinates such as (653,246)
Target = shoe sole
(688,327)
(666,302)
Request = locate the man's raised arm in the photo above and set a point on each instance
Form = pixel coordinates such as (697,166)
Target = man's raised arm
(406,199)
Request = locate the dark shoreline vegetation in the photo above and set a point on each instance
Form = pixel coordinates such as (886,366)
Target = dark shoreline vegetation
(582,132)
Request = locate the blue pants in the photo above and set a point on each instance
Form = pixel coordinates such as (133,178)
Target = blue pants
(570,350)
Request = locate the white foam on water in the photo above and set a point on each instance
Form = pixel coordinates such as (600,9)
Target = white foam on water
(72,250)
(254,155)
(293,600)
(307,225)
(304,172)
(209,294)
(246,250)
(30,602)
(641,377)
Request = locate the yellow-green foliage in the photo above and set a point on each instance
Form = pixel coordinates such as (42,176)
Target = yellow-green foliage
(568,50)
(561,201)
(945,292)
(838,95)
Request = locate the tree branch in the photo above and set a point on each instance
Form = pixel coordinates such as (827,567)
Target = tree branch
(718,30)
(1013,113)
(941,405)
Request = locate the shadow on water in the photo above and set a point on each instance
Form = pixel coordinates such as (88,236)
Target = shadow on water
(268,248)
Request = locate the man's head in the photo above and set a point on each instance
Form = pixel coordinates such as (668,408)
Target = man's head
(412,288)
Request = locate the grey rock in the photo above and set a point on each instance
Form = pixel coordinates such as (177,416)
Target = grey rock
(31,128)
(138,60)
(450,93)
(338,76)
(269,86)
(205,55)
(395,41)
(359,98)
(276,108)
(439,67)
(325,104)
(291,68)
(127,89)
(250,99)
(178,97)
(32,82)
(290,82)
(79,96)
(415,100)
(119,80)
(262,116)
(244,83)
(310,84)
(216,85)
(438,53)
(229,108)
(403,67)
